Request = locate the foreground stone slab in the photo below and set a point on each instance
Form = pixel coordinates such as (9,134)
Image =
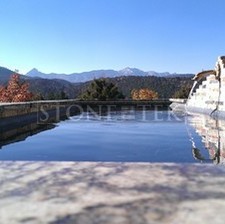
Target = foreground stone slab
(128,193)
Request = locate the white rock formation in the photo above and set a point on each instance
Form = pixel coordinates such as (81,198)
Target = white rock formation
(209,96)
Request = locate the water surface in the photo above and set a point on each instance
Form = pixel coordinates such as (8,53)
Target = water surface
(127,136)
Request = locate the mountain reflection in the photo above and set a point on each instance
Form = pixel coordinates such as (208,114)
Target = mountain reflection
(212,133)
(21,133)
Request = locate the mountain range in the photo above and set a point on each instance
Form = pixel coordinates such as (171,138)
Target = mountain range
(96,74)
(51,86)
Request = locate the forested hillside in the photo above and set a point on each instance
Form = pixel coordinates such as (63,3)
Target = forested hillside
(164,86)
(53,89)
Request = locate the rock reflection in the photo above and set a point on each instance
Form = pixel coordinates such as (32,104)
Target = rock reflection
(212,133)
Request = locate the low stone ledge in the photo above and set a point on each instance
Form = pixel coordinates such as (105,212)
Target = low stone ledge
(174,100)
(23,108)
(128,193)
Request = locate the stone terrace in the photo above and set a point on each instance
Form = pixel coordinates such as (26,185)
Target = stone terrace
(122,193)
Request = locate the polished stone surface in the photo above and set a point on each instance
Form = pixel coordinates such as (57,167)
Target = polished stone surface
(122,193)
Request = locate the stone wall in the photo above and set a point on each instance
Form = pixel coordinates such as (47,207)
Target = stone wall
(14,115)
(23,108)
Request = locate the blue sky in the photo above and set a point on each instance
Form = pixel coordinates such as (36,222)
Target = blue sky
(65,36)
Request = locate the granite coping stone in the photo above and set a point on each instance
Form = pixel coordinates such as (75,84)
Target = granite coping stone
(109,192)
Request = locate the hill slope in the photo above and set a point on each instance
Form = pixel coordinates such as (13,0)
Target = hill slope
(5,75)
(50,88)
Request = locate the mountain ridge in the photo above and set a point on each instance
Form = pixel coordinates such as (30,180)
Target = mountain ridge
(104,73)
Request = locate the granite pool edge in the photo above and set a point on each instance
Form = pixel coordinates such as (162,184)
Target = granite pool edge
(109,192)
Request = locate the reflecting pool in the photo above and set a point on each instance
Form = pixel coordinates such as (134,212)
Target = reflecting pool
(125,136)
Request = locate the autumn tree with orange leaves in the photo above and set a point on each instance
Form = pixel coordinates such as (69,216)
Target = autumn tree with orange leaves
(144,94)
(15,91)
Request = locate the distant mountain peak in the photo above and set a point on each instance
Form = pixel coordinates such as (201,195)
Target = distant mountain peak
(127,71)
(34,70)
(132,72)
(130,69)
(127,68)
(88,76)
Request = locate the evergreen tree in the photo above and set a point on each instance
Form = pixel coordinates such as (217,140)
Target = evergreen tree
(100,89)
(183,92)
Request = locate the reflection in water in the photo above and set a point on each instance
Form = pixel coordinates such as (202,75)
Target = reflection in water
(21,133)
(212,133)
